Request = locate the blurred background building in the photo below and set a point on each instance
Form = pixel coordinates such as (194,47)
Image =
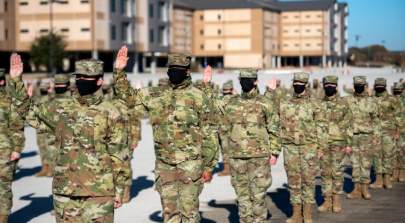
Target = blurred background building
(222,33)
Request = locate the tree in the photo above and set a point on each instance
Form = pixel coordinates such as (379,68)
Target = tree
(48,51)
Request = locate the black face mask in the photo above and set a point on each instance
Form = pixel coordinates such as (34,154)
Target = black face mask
(379,89)
(61,90)
(86,87)
(227,93)
(359,88)
(177,75)
(43,92)
(298,88)
(397,92)
(247,84)
(330,90)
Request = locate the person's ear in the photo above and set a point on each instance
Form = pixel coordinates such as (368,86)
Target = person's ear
(100,81)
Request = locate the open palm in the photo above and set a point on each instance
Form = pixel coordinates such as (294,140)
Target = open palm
(16,65)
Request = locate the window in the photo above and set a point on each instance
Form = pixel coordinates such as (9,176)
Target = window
(219,17)
(297,30)
(219,32)
(5,6)
(162,11)
(126,32)
(24,31)
(85,29)
(151,36)
(84,1)
(112,6)
(202,46)
(163,36)
(219,46)
(23,3)
(297,45)
(201,17)
(285,45)
(43,2)
(285,31)
(123,7)
(6,34)
(201,32)
(113,32)
(308,30)
(308,44)
(308,16)
(64,30)
(43,30)
(150,10)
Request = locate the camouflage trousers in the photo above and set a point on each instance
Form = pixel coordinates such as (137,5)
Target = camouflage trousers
(384,155)
(300,163)
(251,177)
(401,153)
(224,147)
(47,148)
(332,170)
(7,170)
(361,158)
(179,187)
(128,169)
(83,209)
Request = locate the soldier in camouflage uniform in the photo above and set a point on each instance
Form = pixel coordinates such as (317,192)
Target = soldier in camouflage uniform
(89,177)
(227,94)
(253,124)
(45,138)
(397,91)
(401,141)
(366,132)
(278,94)
(181,120)
(338,126)
(11,145)
(388,110)
(301,128)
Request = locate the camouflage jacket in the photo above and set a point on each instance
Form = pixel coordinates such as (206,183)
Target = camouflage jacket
(181,118)
(388,112)
(253,126)
(12,126)
(338,120)
(39,100)
(302,121)
(277,95)
(94,139)
(365,114)
(402,113)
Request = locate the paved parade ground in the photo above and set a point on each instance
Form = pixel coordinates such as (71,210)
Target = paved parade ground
(33,200)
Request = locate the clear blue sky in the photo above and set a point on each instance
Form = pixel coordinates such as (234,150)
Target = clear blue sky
(376,21)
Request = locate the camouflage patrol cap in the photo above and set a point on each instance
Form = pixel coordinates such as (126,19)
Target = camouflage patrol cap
(248,73)
(2,72)
(91,67)
(360,80)
(380,81)
(61,79)
(179,60)
(397,86)
(227,85)
(45,85)
(330,79)
(301,77)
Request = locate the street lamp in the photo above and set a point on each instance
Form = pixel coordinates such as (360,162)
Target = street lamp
(52,68)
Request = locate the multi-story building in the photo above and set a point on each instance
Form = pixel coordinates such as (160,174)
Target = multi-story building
(224,33)
(89,27)
(152,37)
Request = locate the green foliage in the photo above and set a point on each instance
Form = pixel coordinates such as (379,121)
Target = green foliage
(376,55)
(41,50)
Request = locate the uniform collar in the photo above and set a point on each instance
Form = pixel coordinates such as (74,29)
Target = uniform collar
(91,99)
(252,94)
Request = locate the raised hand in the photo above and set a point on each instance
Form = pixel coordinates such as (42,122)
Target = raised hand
(30,90)
(122,58)
(207,74)
(207,176)
(16,66)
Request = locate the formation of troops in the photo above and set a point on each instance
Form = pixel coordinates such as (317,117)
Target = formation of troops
(87,133)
